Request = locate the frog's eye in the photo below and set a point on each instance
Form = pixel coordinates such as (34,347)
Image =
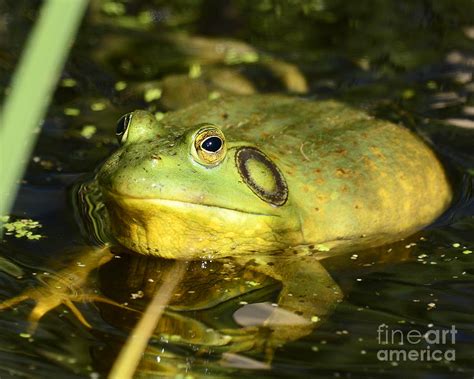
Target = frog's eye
(122,127)
(212,144)
(209,146)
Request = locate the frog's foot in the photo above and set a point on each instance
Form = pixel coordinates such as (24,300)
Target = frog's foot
(261,340)
(63,287)
(240,340)
(236,340)
(44,304)
(182,329)
(265,339)
(50,297)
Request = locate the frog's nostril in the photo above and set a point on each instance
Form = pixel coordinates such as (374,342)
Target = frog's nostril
(156,157)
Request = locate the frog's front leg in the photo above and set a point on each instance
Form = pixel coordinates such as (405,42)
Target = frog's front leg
(63,287)
(308,291)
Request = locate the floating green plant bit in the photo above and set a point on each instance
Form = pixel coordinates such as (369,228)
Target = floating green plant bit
(68,82)
(195,71)
(113,8)
(98,106)
(152,94)
(72,112)
(408,94)
(121,85)
(88,131)
(21,228)
(145,18)
(431,85)
(467,252)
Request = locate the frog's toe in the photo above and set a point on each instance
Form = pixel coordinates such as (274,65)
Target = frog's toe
(13,301)
(89,298)
(46,302)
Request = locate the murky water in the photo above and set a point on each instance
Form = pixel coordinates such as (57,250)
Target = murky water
(410,62)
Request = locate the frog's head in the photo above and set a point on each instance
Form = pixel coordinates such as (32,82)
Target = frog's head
(191,193)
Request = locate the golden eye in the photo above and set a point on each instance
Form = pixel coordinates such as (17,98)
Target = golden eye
(209,146)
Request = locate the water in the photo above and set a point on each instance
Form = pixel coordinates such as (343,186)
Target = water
(408,62)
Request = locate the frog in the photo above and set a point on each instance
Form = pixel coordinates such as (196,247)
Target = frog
(358,191)
(273,183)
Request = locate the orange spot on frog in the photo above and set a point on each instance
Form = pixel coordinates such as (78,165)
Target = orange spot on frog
(343,172)
(376,151)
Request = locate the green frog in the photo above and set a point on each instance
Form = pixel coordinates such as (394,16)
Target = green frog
(271,183)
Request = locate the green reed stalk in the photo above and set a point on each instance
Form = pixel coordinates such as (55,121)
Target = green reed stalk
(132,352)
(31,88)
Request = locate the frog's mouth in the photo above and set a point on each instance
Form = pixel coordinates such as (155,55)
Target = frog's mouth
(187,230)
(173,203)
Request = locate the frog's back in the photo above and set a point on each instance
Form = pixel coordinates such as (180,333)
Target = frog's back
(354,180)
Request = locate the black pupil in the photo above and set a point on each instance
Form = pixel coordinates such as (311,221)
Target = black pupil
(212,144)
(122,124)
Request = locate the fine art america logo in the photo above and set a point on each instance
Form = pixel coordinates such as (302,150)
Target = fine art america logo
(413,345)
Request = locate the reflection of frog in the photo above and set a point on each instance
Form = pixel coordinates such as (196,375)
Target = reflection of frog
(272,183)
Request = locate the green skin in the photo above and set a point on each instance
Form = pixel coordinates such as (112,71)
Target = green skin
(336,180)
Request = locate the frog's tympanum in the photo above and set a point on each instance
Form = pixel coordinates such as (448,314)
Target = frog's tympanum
(271,183)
